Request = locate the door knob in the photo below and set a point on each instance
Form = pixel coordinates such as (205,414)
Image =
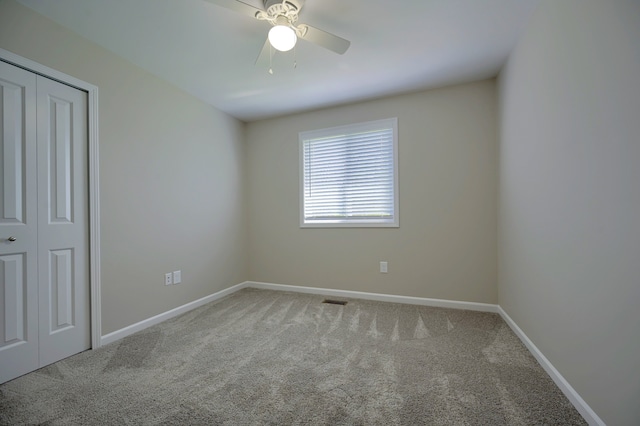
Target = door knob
(12,239)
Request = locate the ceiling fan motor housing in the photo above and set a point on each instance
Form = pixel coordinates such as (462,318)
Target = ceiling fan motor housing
(280,7)
(296,3)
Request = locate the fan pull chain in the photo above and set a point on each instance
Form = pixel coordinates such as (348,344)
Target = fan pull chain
(295,56)
(270,59)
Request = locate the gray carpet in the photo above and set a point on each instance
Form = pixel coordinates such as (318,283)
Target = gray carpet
(265,357)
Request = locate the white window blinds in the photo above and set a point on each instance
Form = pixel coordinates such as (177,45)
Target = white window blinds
(349,175)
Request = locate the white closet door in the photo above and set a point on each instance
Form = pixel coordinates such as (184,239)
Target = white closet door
(62,221)
(45,296)
(18,224)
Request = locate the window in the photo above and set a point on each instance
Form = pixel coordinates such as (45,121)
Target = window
(348,176)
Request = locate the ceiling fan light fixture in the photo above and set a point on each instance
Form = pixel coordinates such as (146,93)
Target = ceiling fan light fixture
(282,38)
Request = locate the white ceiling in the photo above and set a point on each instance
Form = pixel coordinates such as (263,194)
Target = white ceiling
(209,51)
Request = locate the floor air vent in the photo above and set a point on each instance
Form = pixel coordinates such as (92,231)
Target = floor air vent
(335,302)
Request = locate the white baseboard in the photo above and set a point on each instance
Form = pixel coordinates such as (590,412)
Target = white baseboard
(583,408)
(139,326)
(439,303)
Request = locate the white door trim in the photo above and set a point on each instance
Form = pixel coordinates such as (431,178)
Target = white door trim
(94,186)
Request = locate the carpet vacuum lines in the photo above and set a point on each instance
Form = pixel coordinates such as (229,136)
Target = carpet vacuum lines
(260,357)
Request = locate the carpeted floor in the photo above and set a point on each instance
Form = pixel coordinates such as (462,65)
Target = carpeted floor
(266,357)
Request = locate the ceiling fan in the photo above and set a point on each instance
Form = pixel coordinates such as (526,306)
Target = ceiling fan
(283,16)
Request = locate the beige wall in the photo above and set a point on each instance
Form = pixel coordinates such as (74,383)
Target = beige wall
(446,245)
(171,175)
(570,197)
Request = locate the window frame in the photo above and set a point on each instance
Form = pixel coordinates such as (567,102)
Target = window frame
(394,222)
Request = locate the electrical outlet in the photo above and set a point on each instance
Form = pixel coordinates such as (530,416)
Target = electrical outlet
(177,277)
(168,278)
(383,267)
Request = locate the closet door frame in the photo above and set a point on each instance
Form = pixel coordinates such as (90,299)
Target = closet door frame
(93,184)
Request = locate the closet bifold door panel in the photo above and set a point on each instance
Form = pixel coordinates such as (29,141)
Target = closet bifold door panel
(44,299)
(18,224)
(63,226)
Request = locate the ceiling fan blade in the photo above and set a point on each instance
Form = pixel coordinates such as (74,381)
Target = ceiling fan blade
(237,6)
(263,58)
(326,40)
